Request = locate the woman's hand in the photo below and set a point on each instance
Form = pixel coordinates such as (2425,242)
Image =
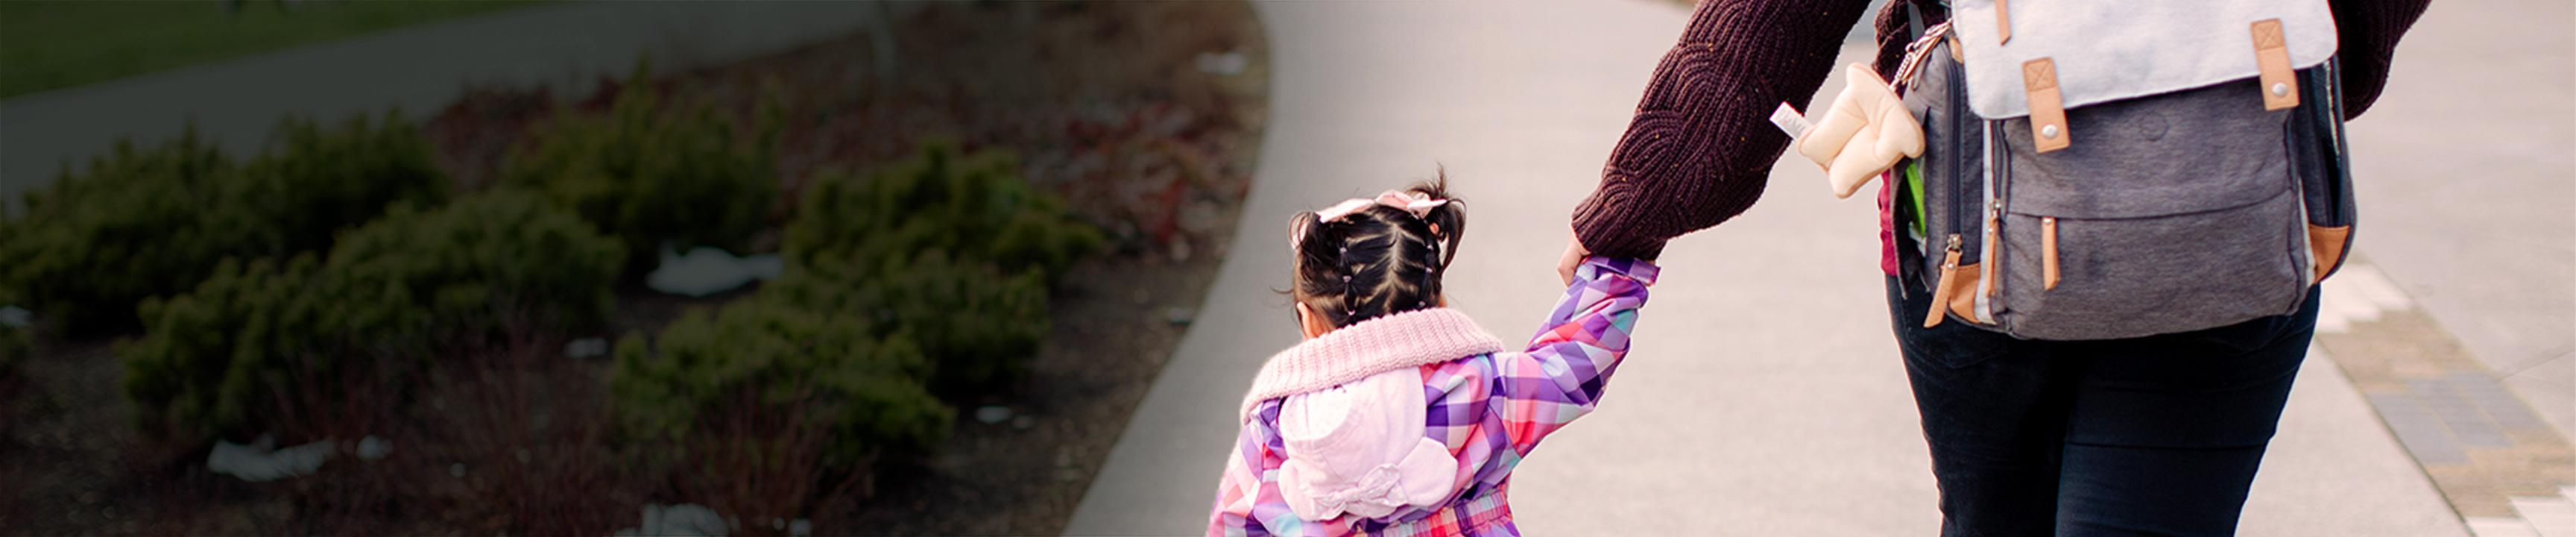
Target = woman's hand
(1574,254)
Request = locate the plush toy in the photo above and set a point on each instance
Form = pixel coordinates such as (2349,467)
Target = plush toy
(1863,133)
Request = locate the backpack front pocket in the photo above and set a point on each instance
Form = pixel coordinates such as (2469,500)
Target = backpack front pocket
(2064,278)
(2176,213)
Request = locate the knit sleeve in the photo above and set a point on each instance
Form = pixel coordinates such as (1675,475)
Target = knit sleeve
(2366,32)
(1700,147)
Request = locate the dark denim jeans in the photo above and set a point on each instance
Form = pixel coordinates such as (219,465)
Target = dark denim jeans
(2156,435)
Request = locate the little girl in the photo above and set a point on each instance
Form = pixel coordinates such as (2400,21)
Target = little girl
(1397,415)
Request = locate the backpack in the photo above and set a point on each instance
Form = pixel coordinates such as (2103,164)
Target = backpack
(2208,189)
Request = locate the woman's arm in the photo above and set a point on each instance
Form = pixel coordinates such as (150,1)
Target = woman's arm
(1559,378)
(1700,146)
(2366,32)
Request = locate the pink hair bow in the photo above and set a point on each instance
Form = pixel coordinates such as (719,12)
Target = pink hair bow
(1414,203)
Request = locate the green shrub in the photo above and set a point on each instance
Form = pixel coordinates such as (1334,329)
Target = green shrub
(151,222)
(261,340)
(491,263)
(977,324)
(974,207)
(214,360)
(86,247)
(781,360)
(685,177)
(319,182)
(952,249)
(15,347)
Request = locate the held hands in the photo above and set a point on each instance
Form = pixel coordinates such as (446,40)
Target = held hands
(1574,254)
(1864,133)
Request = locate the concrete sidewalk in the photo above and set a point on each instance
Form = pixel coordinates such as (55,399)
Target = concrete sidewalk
(1763,396)
(420,69)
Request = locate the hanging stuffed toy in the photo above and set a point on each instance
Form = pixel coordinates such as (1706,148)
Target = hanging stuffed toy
(1862,135)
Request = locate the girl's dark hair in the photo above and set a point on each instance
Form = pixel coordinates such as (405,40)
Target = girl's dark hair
(1377,261)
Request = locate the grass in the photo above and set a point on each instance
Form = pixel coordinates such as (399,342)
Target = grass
(49,44)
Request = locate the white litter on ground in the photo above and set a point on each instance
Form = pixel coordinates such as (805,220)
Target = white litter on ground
(992,414)
(693,520)
(707,270)
(374,449)
(261,461)
(586,347)
(16,317)
(1228,63)
(684,520)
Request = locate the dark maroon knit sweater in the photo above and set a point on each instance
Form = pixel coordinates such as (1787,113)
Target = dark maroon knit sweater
(1701,145)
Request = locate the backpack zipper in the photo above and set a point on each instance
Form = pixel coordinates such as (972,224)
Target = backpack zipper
(1942,291)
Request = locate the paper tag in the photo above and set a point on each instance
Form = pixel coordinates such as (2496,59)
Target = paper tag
(1790,121)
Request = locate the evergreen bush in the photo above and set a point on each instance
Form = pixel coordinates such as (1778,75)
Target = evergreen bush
(978,325)
(474,271)
(85,248)
(974,207)
(15,348)
(692,380)
(318,182)
(147,222)
(683,177)
(262,340)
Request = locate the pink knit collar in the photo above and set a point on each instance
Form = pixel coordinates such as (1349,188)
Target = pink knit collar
(1409,339)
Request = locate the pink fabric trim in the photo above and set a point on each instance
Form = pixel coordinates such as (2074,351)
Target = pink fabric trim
(1887,184)
(1409,339)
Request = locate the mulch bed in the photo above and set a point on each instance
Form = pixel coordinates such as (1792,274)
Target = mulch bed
(1144,116)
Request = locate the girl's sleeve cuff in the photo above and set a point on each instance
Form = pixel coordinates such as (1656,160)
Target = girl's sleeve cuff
(1596,267)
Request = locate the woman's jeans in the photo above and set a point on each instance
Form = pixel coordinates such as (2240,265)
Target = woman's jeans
(2157,435)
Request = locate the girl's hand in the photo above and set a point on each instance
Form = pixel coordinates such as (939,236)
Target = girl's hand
(1574,254)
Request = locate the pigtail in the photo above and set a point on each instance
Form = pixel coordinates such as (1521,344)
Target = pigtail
(1448,221)
(1302,227)
(1317,248)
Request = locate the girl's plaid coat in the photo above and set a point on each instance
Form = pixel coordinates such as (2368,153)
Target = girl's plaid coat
(1490,410)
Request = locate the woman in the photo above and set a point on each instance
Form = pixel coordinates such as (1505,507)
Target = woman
(2155,435)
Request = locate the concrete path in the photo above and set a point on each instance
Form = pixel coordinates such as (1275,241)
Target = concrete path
(419,69)
(2466,183)
(1763,397)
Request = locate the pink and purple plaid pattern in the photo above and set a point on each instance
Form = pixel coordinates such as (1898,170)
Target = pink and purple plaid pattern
(1490,410)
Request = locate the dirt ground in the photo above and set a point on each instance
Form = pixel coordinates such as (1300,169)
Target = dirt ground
(1145,116)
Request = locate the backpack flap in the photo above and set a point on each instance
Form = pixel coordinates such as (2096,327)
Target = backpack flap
(2109,51)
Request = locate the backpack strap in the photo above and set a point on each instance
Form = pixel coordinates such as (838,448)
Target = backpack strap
(2318,157)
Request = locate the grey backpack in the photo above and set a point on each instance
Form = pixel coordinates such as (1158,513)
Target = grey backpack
(2172,211)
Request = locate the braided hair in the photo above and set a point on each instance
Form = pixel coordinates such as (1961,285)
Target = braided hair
(1376,261)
